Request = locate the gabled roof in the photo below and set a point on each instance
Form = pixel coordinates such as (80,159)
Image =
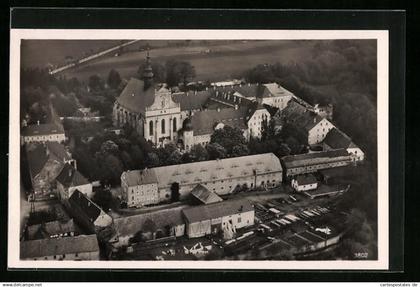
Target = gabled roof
(130,225)
(58,246)
(48,229)
(203,122)
(42,129)
(190,100)
(276,90)
(336,139)
(37,157)
(291,161)
(306,179)
(134,98)
(89,208)
(59,150)
(69,176)
(204,171)
(216,210)
(136,177)
(204,195)
(296,114)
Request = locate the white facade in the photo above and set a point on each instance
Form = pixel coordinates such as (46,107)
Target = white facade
(357,153)
(318,133)
(255,122)
(162,119)
(141,194)
(304,187)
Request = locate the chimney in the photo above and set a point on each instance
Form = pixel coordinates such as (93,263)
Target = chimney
(207,88)
(218,109)
(314,120)
(70,172)
(249,84)
(37,122)
(236,107)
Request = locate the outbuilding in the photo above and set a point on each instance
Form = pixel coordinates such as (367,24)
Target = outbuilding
(304,183)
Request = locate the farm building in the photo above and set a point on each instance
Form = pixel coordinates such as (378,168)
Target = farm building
(312,162)
(213,218)
(71,179)
(52,229)
(304,182)
(308,126)
(82,247)
(152,225)
(336,139)
(223,176)
(45,162)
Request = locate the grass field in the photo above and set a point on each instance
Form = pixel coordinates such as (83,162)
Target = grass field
(223,62)
(225,59)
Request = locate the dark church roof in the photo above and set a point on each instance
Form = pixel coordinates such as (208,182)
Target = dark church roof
(134,98)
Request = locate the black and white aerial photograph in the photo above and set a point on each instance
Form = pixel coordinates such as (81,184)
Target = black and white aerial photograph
(198,150)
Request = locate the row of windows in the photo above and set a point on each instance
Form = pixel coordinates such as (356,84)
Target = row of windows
(162,126)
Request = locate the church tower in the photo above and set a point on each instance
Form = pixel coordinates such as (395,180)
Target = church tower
(148,73)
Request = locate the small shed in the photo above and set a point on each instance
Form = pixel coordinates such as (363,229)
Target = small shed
(204,196)
(304,183)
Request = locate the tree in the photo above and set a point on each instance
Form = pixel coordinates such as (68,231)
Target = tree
(178,71)
(216,151)
(114,79)
(174,158)
(111,168)
(109,147)
(103,198)
(228,137)
(198,153)
(95,83)
(152,159)
(240,150)
(267,129)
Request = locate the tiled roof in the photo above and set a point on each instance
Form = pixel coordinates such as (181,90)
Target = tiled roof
(204,122)
(59,150)
(69,176)
(306,179)
(51,228)
(136,177)
(191,101)
(129,225)
(42,129)
(216,210)
(58,246)
(223,169)
(291,161)
(301,117)
(336,139)
(276,90)
(134,98)
(89,208)
(37,157)
(204,195)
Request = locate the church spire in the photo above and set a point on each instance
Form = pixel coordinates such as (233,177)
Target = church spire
(148,72)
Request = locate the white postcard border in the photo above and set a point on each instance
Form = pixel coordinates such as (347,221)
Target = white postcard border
(381,36)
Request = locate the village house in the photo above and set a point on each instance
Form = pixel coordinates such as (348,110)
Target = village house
(41,133)
(89,216)
(216,217)
(312,162)
(52,229)
(304,182)
(151,225)
(336,139)
(71,179)
(308,127)
(161,184)
(45,162)
(82,247)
